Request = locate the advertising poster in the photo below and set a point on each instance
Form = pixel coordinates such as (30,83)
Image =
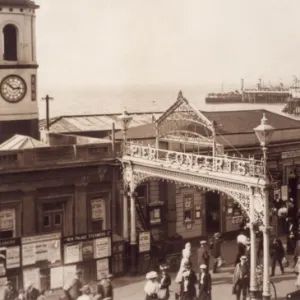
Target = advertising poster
(102,267)
(7,218)
(2,261)
(13,257)
(284,192)
(56,277)
(102,247)
(2,286)
(72,253)
(144,241)
(68,274)
(32,275)
(40,248)
(98,209)
(87,250)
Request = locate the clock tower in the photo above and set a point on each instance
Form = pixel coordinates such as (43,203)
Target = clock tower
(18,69)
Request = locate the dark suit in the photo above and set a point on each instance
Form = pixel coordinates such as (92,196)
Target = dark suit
(190,293)
(203,257)
(74,291)
(165,283)
(205,287)
(105,289)
(277,254)
(10,294)
(32,294)
(241,280)
(216,252)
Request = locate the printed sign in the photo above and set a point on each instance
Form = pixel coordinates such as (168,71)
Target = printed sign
(7,217)
(102,266)
(87,250)
(72,253)
(32,276)
(102,247)
(40,248)
(56,277)
(13,257)
(144,241)
(237,220)
(98,209)
(284,192)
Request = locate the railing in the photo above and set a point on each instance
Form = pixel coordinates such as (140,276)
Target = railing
(195,162)
(51,156)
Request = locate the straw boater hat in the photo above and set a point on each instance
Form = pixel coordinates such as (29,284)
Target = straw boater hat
(203,242)
(151,275)
(217,234)
(109,276)
(85,289)
(102,276)
(203,266)
(244,257)
(164,267)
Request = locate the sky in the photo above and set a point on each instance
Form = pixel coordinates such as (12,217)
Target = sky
(92,43)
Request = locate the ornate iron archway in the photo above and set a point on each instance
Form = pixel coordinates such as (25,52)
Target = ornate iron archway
(242,179)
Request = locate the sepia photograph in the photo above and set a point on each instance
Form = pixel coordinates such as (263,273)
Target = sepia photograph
(149,149)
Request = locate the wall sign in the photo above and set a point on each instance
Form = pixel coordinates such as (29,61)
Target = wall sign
(7,219)
(40,248)
(32,275)
(33,87)
(284,192)
(102,266)
(144,241)
(57,277)
(98,209)
(102,247)
(72,253)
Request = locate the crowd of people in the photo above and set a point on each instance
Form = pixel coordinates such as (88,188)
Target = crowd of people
(75,290)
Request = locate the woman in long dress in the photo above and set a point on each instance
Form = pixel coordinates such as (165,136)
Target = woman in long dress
(152,286)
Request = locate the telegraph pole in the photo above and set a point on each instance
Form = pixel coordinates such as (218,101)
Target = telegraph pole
(47,99)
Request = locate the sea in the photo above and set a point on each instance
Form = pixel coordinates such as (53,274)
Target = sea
(101,100)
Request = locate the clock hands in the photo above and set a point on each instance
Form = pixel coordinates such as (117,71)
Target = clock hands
(14,88)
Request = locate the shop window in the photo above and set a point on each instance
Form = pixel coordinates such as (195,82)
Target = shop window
(10,38)
(53,216)
(188,208)
(7,223)
(155,215)
(98,215)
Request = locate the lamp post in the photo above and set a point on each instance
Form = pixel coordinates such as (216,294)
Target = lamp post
(264,133)
(125,119)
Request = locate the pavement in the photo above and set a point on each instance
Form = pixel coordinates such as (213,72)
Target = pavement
(132,288)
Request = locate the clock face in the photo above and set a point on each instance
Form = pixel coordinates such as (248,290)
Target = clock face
(13,88)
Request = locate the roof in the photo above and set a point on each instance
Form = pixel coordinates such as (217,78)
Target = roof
(19,3)
(228,122)
(97,122)
(21,142)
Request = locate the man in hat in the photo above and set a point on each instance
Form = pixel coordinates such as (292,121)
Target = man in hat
(277,254)
(165,282)
(204,283)
(86,293)
(105,288)
(31,292)
(215,247)
(189,279)
(9,292)
(72,291)
(241,279)
(202,254)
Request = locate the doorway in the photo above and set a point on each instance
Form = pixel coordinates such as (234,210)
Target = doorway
(212,212)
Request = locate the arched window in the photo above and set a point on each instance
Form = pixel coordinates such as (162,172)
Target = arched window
(10,42)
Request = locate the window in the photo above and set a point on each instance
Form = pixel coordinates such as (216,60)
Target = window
(52,216)
(188,207)
(10,36)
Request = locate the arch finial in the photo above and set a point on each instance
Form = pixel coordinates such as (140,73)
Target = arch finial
(180,95)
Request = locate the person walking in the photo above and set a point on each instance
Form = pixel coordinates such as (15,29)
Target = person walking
(105,288)
(152,286)
(204,284)
(72,290)
(215,247)
(165,282)
(31,293)
(241,242)
(189,279)
(10,292)
(241,279)
(277,254)
(203,255)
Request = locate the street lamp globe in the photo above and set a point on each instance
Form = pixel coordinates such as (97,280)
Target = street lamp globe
(125,118)
(264,131)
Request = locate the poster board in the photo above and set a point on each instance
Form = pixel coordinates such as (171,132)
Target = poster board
(40,248)
(284,192)
(68,274)
(11,250)
(72,253)
(144,241)
(102,266)
(102,247)
(32,275)
(56,277)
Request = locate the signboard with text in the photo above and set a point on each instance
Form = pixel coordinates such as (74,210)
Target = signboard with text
(87,247)
(11,252)
(144,241)
(41,248)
